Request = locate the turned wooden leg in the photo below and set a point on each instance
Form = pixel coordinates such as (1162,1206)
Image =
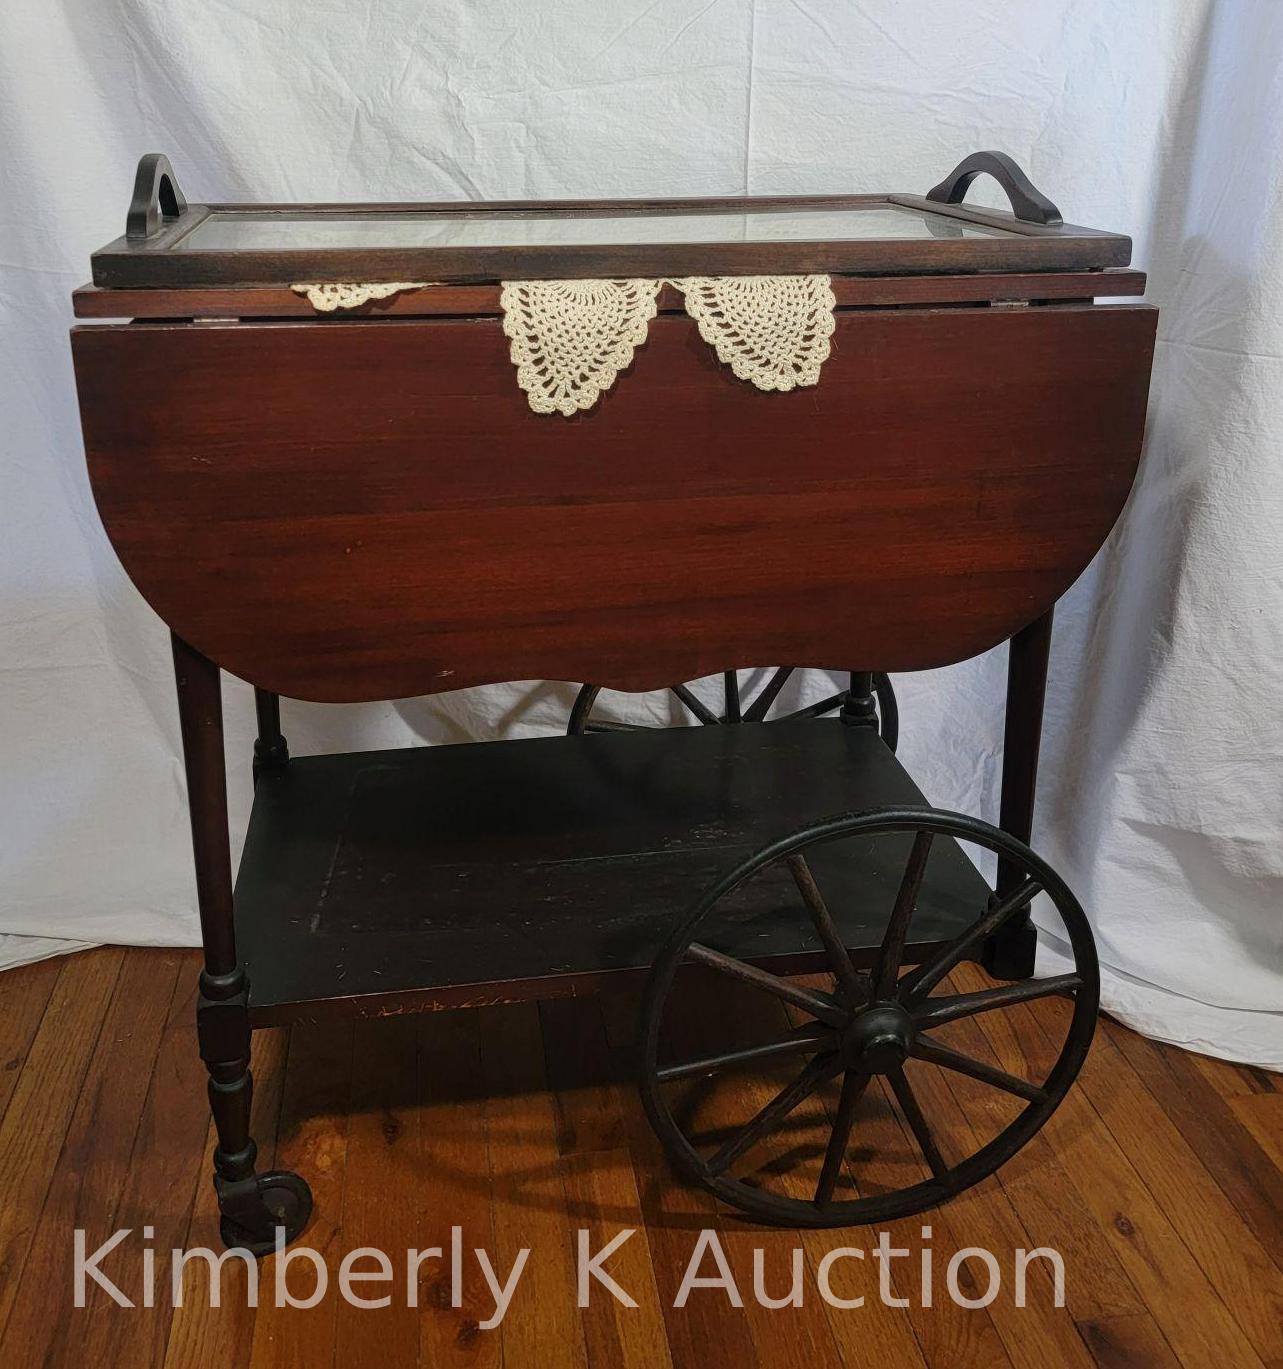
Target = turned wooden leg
(1010,954)
(861,706)
(253,1205)
(270,749)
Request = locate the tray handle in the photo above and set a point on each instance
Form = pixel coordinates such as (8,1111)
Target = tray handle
(1028,203)
(157,197)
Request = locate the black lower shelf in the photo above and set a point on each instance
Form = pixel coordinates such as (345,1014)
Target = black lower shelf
(377,882)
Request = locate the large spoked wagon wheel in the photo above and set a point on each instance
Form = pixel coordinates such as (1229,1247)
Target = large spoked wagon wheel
(841,1055)
(586,715)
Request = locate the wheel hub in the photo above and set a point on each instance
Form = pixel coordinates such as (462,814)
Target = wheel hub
(877,1040)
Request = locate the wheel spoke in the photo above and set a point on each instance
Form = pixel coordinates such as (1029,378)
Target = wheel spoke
(891,951)
(818,710)
(700,710)
(936,1011)
(609,725)
(853,985)
(916,986)
(774,1112)
(926,1049)
(761,706)
(853,1086)
(821,1005)
(917,1123)
(806,1041)
(731,688)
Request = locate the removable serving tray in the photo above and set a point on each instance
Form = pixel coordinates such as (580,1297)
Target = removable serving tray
(170,243)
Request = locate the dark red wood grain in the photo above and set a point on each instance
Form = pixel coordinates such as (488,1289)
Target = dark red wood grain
(369,509)
(279,301)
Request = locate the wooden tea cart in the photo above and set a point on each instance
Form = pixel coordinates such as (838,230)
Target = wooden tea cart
(362,506)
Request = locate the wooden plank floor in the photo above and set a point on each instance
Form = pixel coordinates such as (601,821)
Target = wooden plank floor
(1159,1181)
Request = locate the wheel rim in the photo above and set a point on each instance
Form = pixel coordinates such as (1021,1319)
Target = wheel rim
(761,706)
(867,1029)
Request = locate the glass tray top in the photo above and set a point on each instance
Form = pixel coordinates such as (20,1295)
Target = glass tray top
(170,243)
(241,230)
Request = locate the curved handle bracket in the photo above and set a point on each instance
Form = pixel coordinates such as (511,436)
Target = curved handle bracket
(1028,203)
(157,197)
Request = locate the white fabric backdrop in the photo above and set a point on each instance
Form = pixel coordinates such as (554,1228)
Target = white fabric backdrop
(1162,794)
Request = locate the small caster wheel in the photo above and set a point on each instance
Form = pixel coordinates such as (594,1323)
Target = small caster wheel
(863,1094)
(255,1208)
(586,717)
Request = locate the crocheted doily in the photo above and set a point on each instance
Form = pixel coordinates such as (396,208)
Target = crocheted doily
(327,298)
(771,330)
(571,338)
